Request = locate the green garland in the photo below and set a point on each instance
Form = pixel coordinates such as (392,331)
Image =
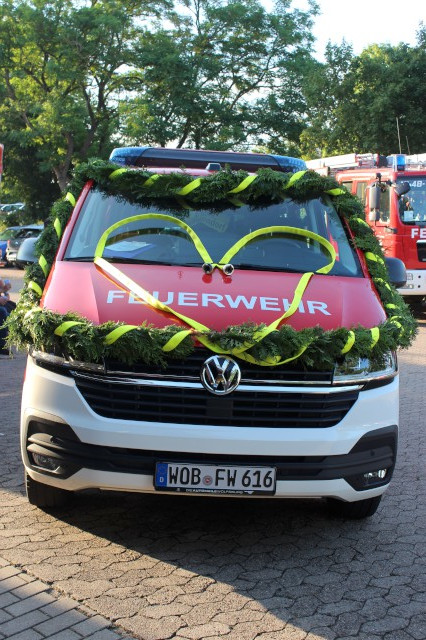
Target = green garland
(29,325)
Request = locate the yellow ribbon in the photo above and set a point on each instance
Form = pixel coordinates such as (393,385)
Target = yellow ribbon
(59,331)
(35,287)
(150,181)
(118,172)
(175,340)
(58,227)
(70,199)
(154,216)
(44,266)
(294,178)
(113,335)
(194,184)
(244,184)
(383,282)
(375,335)
(395,321)
(349,343)
(336,192)
(373,258)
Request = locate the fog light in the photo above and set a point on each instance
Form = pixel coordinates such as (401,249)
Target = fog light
(374,476)
(46,462)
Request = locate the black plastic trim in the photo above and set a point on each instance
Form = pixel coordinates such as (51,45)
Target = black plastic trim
(375,450)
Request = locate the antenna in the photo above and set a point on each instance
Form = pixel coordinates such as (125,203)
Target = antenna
(399,137)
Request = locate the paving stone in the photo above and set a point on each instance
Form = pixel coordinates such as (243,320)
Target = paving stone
(28,634)
(90,625)
(67,634)
(29,604)
(389,623)
(60,622)
(27,621)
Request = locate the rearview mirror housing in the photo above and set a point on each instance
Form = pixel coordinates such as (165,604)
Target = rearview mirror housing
(397,272)
(401,188)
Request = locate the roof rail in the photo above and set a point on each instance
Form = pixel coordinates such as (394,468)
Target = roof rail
(199,159)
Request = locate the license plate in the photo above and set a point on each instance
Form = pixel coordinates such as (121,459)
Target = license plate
(209,478)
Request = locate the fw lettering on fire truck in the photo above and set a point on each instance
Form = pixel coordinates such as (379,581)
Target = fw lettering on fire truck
(194,299)
(418,233)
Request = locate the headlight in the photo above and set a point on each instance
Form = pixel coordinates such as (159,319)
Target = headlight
(356,370)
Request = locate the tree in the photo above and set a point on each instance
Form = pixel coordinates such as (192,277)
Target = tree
(219,75)
(356,104)
(326,86)
(61,68)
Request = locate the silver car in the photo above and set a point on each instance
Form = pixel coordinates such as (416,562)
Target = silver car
(13,245)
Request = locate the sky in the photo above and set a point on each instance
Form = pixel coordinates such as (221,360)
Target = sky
(365,22)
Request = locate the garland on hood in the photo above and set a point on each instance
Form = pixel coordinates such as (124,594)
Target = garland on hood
(76,337)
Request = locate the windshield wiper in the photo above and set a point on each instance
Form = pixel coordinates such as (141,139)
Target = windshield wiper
(79,259)
(122,260)
(257,267)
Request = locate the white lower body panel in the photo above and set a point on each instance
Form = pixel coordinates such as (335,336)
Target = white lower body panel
(53,397)
(416,283)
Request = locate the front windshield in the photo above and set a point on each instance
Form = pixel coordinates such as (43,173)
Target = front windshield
(412,205)
(154,241)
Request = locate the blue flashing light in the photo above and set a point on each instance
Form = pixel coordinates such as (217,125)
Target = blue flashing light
(290,164)
(126,156)
(396,161)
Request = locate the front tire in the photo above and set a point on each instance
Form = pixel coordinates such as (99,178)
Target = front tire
(43,495)
(354,510)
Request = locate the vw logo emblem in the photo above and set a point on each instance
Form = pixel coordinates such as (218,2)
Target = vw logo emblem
(220,375)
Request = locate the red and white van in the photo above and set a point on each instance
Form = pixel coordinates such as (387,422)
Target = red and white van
(210,423)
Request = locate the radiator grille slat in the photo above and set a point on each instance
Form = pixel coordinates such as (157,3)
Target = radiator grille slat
(180,405)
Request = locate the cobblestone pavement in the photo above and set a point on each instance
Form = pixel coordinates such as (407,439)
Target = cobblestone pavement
(200,568)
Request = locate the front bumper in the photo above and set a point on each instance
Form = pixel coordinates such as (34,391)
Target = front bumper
(416,283)
(97,452)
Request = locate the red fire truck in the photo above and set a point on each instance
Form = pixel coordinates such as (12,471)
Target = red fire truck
(393,190)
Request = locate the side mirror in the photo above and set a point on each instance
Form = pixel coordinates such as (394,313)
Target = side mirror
(397,272)
(375,197)
(401,188)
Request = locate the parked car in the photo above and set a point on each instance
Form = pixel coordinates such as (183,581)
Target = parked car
(29,231)
(14,206)
(6,235)
(26,253)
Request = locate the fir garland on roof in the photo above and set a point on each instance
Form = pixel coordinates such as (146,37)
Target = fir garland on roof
(29,325)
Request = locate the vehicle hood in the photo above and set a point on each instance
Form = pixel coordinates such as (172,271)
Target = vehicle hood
(215,300)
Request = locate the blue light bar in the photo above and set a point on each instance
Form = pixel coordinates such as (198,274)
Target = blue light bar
(199,159)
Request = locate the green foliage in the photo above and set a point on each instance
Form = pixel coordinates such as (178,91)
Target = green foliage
(31,325)
(61,70)
(354,101)
(226,71)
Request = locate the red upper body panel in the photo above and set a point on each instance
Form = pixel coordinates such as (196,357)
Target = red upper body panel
(216,300)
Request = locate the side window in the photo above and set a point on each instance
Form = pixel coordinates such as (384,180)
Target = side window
(347,185)
(361,188)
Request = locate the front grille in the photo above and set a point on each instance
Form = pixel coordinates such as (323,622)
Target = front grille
(115,399)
